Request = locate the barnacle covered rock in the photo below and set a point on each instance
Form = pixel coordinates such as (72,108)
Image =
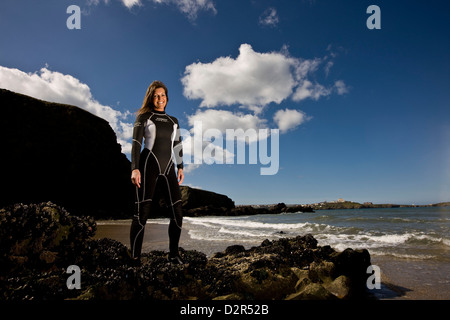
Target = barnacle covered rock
(41,235)
(40,241)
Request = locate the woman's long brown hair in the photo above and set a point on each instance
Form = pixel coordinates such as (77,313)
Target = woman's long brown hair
(147,104)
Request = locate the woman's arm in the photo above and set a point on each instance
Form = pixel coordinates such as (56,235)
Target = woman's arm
(136,146)
(136,177)
(180,176)
(178,150)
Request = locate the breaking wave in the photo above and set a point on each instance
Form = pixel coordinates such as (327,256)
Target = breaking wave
(378,231)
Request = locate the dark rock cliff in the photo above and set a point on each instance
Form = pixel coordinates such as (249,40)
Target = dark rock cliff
(61,153)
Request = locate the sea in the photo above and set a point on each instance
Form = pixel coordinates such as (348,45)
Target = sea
(420,233)
(411,244)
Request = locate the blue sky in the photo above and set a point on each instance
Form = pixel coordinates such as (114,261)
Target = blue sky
(363,114)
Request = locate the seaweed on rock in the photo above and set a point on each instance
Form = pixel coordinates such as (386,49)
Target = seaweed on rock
(39,241)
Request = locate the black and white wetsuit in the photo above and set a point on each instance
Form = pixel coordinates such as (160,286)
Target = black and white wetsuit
(156,163)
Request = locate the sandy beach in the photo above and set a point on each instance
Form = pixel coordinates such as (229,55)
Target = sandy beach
(401,279)
(404,279)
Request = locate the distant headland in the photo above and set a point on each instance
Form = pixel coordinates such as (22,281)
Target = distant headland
(345,204)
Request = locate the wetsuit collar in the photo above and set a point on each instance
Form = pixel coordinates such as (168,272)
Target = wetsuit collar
(158,112)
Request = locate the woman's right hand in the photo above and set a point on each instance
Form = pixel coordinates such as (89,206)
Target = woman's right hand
(136,177)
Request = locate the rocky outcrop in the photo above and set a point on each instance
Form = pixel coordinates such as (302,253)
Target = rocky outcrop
(245,210)
(41,237)
(64,154)
(40,241)
(195,198)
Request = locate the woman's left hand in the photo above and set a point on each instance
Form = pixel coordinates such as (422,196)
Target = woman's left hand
(180,176)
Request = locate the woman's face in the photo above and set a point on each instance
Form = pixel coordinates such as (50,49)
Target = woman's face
(159,99)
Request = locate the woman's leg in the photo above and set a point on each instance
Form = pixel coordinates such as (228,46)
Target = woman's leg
(173,200)
(138,228)
(175,225)
(149,172)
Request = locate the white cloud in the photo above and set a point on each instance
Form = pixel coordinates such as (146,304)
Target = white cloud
(96,2)
(310,90)
(191,8)
(251,79)
(211,132)
(62,88)
(289,119)
(130,3)
(269,17)
(341,87)
(224,119)
(328,67)
(255,79)
(305,67)
(210,152)
(127,3)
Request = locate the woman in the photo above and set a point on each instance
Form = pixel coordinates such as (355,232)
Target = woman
(153,169)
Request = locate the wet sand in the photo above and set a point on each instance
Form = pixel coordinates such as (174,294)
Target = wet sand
(156,236)
(408,279)
(401,279)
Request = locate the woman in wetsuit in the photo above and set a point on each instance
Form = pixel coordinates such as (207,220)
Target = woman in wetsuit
(154,167)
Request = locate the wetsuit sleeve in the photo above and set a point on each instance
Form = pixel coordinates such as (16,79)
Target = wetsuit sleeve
(178,147)
(136,146)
